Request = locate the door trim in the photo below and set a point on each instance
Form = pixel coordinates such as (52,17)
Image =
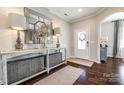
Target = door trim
(88,39)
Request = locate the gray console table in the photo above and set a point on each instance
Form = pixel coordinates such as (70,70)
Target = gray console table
(19,66)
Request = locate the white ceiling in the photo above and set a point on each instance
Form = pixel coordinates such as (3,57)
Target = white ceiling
(73,13)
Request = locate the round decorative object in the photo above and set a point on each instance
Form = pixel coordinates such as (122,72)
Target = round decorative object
(19,45)
(40,29)
(82,36)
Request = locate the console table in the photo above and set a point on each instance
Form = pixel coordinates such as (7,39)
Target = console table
(9,61)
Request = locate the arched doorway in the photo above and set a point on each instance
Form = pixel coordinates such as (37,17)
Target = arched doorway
(110,38)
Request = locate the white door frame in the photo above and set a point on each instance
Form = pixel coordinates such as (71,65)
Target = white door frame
(88,39)
(99,34)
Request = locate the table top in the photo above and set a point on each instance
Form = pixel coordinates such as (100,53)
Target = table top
(27,51)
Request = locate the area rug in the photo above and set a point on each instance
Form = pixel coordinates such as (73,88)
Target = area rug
(81,62)
(65,76)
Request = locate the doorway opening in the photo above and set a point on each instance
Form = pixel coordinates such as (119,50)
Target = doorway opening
(111,38)
(81,43)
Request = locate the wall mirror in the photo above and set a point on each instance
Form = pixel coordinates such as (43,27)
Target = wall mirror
(39,28)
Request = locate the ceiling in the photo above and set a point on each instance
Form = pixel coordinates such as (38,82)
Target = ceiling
(113,17)
(71,14)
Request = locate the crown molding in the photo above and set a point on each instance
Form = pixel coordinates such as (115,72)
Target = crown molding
(78,19)
(89,16)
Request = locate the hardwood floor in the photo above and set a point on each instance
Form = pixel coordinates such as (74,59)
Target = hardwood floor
(110,73)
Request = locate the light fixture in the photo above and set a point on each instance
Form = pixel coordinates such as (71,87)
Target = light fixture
(17,22)
(80,9)
(57,32)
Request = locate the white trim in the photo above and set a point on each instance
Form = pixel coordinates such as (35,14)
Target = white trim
(4,69)
(99,33)
(71,57)
(1,82)
(78,19)
(89,41)
(94,61)
(87,17)
(47,58)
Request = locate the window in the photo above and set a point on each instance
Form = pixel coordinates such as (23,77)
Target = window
(81,40)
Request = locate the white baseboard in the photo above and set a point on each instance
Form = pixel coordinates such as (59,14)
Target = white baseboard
(94,61)
(1,83)
(71,57)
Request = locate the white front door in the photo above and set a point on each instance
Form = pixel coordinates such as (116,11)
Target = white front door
(81,43)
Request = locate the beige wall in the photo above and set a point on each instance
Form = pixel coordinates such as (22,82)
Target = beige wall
(100,18)
(65,38)
(8,36)
(107,29)
(90,24)
(94,27)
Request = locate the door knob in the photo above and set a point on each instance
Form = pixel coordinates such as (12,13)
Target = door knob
(87,43)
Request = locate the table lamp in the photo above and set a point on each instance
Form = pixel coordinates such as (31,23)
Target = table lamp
(57,32)
(17,22)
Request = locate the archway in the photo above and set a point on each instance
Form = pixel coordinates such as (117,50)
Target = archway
(111,17)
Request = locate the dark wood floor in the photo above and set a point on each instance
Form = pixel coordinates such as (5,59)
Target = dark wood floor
(110,73)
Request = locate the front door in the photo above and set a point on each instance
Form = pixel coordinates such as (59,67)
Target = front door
(81,43)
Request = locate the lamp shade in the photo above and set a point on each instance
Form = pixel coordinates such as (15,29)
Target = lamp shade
(16,21)
(104,39)
(57,31)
